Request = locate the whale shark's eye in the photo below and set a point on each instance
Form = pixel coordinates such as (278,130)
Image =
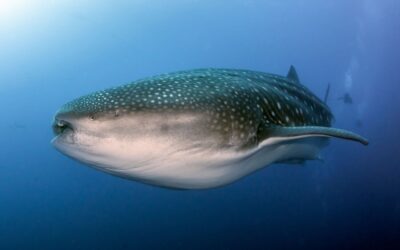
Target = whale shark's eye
(92,117)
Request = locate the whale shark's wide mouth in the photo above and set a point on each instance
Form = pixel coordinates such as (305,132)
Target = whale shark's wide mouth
(61,126)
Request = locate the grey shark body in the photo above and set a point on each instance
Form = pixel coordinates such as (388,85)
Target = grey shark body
(196,129)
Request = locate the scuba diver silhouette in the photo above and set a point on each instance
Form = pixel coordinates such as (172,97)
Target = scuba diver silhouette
(346,98)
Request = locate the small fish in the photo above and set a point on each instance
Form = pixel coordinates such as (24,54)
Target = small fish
(196,129)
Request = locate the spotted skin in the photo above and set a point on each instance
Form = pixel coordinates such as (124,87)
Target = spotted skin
(239,106)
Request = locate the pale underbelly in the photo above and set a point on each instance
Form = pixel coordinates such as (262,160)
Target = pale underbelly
(214,169)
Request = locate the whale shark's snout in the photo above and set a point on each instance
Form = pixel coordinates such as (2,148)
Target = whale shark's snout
(64,135)
(60,126)
(196,129)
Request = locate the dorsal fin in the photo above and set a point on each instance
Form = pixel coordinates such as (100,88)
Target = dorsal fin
(327,93)
(292,74)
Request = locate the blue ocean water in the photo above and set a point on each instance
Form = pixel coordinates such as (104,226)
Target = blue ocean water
(54,51)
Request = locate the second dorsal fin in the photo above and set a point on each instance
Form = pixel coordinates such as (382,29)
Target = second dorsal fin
(327,93)
(292,74)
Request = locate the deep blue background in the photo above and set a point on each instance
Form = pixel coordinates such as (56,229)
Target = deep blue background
(53,51)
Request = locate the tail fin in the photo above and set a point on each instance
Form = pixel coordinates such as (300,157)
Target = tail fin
(327,93)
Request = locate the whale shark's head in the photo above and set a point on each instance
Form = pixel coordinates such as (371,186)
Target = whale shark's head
(123,130)
(85,136)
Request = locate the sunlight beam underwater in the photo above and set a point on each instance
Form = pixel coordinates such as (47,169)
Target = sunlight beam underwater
(196,129)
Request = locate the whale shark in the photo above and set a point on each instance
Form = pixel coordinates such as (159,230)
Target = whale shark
(196,129)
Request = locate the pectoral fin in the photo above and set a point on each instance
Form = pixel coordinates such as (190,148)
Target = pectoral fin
(312,131)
